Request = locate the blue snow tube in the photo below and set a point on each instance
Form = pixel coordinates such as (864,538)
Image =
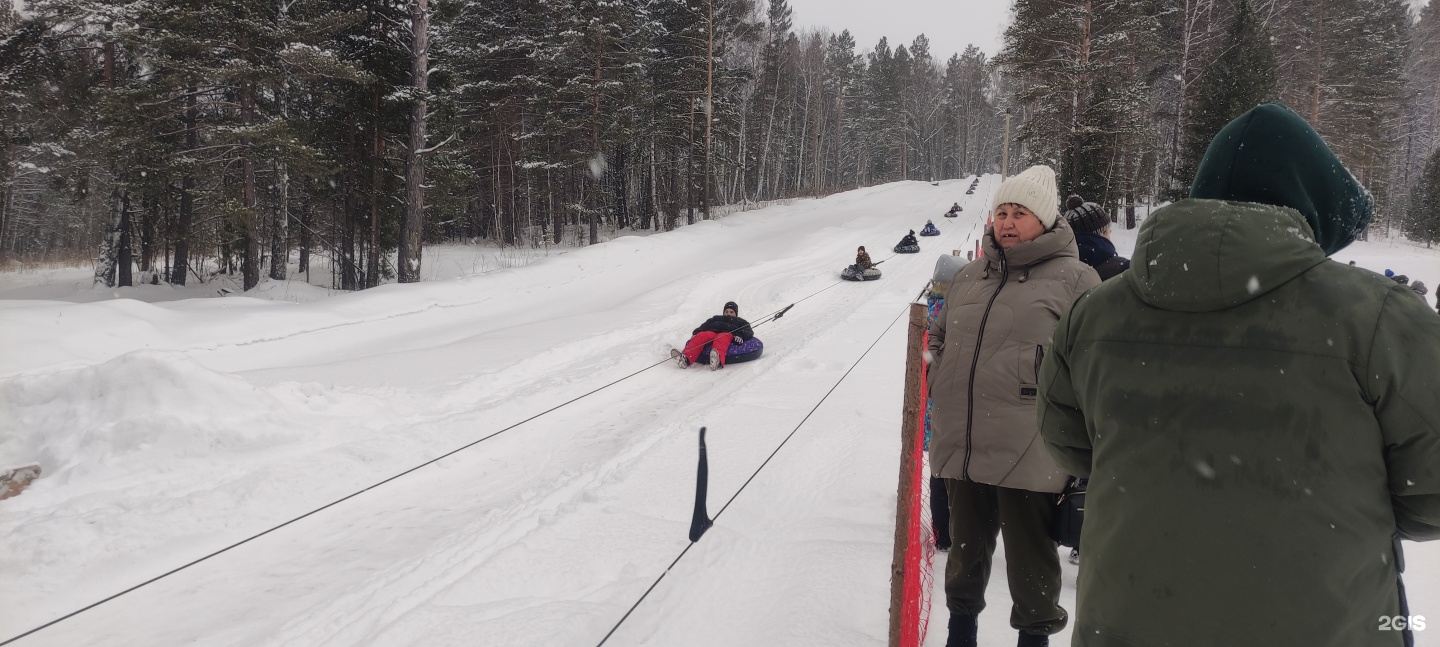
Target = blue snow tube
(736,353)
(929,231)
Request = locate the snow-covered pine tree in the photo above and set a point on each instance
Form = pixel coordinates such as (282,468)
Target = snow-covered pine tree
(1241,78)
(1423,220)
(972,136)
(843,71)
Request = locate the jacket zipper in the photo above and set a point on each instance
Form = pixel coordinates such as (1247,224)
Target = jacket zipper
(975,364)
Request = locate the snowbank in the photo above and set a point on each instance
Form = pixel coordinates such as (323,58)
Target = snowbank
(137,416)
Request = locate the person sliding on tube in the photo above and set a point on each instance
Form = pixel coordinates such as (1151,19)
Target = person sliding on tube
(862,259)
(718,332)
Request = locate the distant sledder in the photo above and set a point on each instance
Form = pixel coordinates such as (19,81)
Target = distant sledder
(863,269)
(954,211)
(908,244)
(725,331)
(930,229)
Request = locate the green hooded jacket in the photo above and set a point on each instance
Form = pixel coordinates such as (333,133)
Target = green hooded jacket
(1258,423)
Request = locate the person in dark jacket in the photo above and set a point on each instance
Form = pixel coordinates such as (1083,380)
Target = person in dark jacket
(1257,421)
(718,332)
(862,259)
(909,240)
(1092,236)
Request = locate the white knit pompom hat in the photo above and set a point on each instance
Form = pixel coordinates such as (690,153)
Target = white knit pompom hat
(1034,189)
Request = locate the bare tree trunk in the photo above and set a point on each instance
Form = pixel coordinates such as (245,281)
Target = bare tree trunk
(621,187)
(709,106)
(187,194)
(304,238)
(377,154)
(106,269)
(251,269)
(7,200)
(412,237)
(124,257)
(1318,58)
(280,226)
(349,277)
(598,162)
(148,207)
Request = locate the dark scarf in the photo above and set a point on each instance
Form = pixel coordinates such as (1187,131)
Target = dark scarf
(1094,248)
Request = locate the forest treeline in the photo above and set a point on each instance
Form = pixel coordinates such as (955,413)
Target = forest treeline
(174,137)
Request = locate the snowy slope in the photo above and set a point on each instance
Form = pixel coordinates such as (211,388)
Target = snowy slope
(170,430)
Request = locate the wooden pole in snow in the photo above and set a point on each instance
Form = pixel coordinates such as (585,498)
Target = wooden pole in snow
(910,421)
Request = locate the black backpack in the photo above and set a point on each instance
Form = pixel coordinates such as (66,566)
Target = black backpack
(1070,514)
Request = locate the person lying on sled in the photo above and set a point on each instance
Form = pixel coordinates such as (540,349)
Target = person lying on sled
(719,332)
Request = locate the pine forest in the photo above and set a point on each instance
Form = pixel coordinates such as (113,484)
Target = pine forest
(173,140)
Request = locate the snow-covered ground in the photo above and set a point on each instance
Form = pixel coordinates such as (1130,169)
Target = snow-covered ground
(74,282)
(168,430)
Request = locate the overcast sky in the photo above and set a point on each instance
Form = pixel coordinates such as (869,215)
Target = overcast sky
(949,24)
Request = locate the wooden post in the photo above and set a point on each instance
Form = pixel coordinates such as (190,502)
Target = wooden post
(910,421)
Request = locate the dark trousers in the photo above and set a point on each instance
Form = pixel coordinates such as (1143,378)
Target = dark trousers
(978,513)
(939,512)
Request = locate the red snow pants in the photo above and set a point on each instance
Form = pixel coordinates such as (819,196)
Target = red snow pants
(719,343)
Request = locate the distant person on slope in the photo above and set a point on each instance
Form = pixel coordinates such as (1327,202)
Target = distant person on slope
(1092,237)
(986,345)
(1258,422)
(909,240)
(718,332)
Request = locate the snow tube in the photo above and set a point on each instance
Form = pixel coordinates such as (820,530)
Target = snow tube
(736,353)
(929,231)
(952,214)
(853,273)
(907,249)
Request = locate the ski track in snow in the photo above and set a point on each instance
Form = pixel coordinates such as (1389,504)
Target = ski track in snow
(169,431)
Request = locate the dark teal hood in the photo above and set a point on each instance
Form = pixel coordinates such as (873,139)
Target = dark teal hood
(1272,156)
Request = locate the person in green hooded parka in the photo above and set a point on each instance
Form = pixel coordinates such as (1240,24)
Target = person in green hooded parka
(1259,423)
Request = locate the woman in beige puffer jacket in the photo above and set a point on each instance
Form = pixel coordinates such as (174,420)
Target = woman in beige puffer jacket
(985,350)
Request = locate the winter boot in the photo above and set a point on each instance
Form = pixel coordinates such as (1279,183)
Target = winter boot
(962,631)
(679,358)
(1033,640)
(714,359)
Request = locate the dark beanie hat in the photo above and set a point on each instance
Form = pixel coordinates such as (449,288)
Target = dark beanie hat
(730,305)
(1087,218)
(1272,156)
